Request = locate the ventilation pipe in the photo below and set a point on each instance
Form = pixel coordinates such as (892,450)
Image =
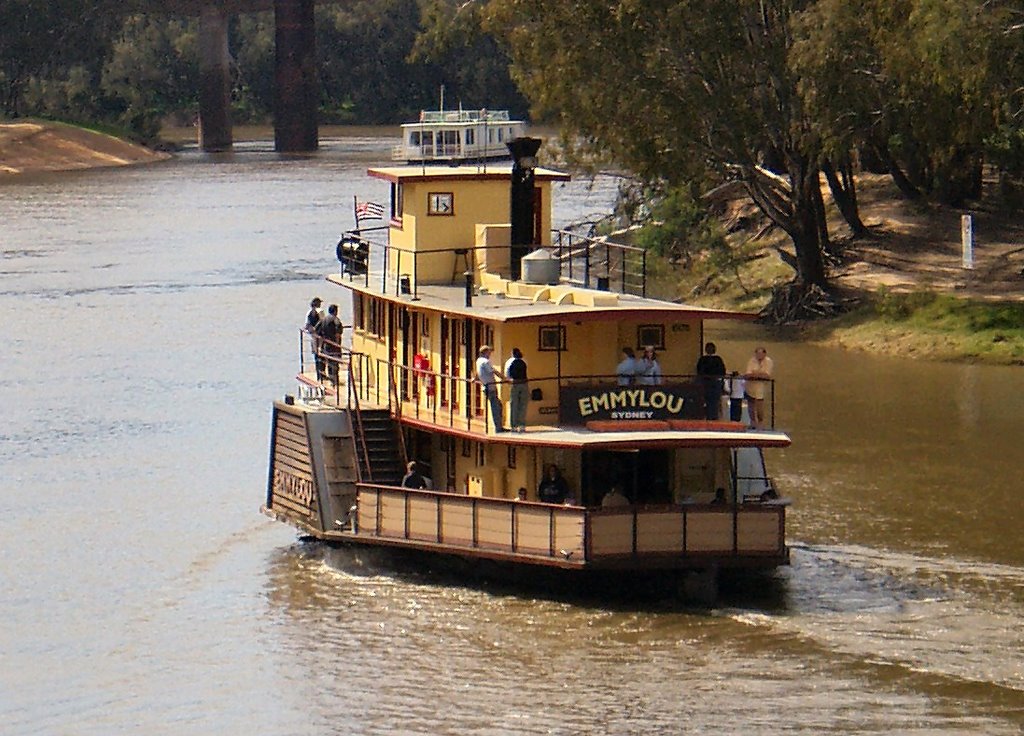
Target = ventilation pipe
(521,215)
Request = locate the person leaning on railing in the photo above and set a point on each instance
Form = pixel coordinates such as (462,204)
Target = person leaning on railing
(313,318)
(487,375)
(758,374)
(329,330)
(519,394)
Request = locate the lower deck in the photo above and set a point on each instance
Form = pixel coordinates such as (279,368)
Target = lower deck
(670,518)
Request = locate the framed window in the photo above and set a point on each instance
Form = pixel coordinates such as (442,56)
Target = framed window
(481,455)
(512,457)
(441,203)
(551,338)
(467,448)
(653,335)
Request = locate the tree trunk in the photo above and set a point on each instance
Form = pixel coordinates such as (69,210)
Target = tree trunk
(793,207)
(806,234)
(845,195)
(898,177)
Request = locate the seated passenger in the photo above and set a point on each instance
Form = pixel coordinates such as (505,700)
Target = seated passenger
(614,497)
(520,495)
(553,489)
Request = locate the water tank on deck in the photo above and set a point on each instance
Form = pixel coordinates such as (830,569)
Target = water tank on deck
(540,267)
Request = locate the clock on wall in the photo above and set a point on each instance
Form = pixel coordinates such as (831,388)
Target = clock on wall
(440,203)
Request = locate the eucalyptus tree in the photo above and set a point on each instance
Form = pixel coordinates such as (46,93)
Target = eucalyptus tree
(922,84)
(675,89)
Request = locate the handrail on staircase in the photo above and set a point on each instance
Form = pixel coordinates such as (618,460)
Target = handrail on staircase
(353,397)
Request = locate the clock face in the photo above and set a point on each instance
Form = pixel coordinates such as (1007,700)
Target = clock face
(440,203)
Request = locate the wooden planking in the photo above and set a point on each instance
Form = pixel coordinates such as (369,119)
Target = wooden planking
(280,502)
(293,457)
(423,518)
(292,432)
(611,534)
(659,532)
(457,520)
(494,526)
(759,531)
(295,443)
(367,512)
(709,531)
(392,515)
(293,467)
(533,528)
(569,535)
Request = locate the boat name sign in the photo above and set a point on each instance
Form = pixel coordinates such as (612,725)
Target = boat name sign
(583,404)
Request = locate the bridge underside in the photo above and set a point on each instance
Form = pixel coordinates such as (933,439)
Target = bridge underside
(296,90)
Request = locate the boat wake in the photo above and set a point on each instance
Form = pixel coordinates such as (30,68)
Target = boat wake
(944,626)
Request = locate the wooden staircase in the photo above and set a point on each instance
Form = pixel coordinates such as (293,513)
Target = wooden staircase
(379,448)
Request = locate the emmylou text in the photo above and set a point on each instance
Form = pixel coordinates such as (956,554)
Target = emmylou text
(630,399)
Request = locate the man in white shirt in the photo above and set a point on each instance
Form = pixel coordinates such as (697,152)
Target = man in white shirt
(758,375)
(487,375)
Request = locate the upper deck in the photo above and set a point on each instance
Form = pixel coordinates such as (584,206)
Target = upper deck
(449,276)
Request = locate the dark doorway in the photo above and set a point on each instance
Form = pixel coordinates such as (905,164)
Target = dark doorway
(645,476)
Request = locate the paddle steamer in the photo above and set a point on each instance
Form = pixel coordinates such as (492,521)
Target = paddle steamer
(468,258)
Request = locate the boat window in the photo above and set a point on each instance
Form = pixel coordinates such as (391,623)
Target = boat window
(551,337)
(469,136)
(358,315)
(501,134)
(397,197)
(414,138)
(428,138)
(449,137)
(375,324)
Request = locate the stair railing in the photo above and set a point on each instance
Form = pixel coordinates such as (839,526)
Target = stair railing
(358,433)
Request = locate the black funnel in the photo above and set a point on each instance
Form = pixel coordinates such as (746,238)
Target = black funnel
(521,204)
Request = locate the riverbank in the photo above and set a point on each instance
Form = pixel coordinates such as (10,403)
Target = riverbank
(903,287)
(31,146)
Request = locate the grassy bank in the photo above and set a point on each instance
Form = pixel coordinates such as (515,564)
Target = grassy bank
(930,325)
(904,288)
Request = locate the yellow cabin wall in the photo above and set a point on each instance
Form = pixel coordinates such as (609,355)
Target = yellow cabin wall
(475,202)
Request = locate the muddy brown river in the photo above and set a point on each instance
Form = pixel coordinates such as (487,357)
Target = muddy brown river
(149,316)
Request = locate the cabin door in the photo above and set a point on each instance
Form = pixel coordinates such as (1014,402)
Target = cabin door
(643,475)
(454,363)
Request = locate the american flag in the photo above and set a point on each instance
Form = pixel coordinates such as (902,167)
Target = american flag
(368,211)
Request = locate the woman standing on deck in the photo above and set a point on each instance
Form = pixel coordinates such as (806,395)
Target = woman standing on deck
(650,371)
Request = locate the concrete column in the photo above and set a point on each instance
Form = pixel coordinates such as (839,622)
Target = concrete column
(296,95)
(214,81)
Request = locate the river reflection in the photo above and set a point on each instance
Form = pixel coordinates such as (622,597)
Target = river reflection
(148,318)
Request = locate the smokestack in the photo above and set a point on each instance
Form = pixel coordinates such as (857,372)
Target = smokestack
(524,162)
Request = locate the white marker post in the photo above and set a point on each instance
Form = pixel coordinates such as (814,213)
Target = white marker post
(967,241)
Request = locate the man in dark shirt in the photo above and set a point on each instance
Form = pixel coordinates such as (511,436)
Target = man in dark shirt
(313,318)
(710,372)
(413,478)
(553,489)
(329,331)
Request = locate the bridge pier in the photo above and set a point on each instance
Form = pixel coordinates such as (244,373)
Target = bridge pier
(214,81)
(297,94)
